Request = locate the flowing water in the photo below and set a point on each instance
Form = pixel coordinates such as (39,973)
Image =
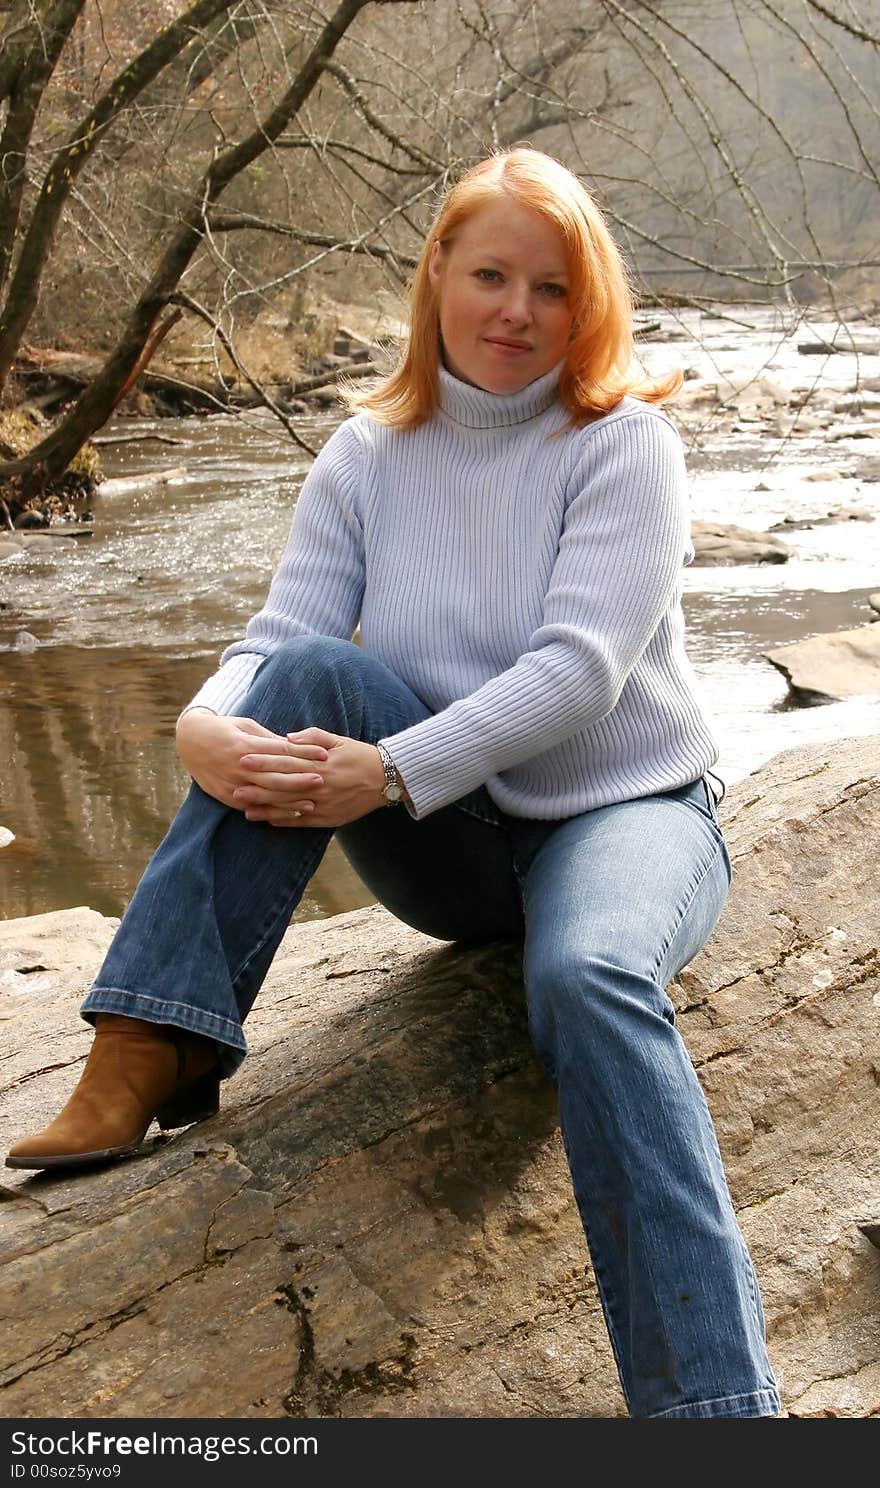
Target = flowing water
(130,621)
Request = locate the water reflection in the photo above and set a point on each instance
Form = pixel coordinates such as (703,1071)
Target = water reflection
(91,780)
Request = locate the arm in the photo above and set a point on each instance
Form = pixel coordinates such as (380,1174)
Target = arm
(319,584)
(617,570)
(318,589)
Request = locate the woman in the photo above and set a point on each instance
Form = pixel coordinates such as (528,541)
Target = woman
(514,749)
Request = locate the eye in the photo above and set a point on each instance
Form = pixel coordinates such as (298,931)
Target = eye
(488,276)
(554,291)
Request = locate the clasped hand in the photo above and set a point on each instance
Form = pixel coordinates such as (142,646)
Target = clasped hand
(311,778)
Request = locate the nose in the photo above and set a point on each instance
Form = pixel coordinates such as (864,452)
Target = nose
(517,307)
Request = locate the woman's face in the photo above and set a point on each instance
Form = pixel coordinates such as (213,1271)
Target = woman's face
(503,290)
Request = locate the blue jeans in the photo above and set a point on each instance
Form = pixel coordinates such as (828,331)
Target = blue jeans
(610,905)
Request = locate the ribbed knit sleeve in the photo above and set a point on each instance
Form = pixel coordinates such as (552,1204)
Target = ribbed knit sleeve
(624,539)
(319,584)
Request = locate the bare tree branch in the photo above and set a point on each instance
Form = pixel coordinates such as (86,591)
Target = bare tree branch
(22,296)
(52,454)
(718,141)
(842,100)
(236,221)
(344,147)
(188,303)
(343,76)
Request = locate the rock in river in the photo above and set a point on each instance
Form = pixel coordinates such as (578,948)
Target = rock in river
(827,519)
(721,544)
(839,664)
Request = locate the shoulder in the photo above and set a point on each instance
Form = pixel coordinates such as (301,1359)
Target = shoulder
(629,460)
(345,443)
(631,421)
(632,436)
(360,440)
(343,457)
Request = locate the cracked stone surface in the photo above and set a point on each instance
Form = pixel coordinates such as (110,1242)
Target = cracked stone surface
(379,1222)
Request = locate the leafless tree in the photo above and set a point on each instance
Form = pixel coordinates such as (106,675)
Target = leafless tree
(734,146)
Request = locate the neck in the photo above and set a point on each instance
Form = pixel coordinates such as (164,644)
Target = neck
(476,408)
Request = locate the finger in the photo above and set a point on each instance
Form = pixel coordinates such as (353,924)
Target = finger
(307,751)
(274,790)
(289,818)
(251,727)
(283,748)
(268,768)
(288,761)
(314,736)
(266,810)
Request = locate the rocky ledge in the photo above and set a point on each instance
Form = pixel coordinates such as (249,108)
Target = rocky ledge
(380,1222)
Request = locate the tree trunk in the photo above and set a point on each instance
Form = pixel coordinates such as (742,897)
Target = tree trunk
(44,39)
(21,299)
(52,455)
(380,1221)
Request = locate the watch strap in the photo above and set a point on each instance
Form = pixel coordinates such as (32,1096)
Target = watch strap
(392,790)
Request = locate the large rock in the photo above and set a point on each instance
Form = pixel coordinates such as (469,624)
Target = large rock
(721,544)
(838,664)
(380,1222)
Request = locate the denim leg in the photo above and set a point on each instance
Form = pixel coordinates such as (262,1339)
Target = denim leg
(616,902)
(209,913)
(450,875)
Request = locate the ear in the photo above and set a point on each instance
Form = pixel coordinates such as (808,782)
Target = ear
(435,263)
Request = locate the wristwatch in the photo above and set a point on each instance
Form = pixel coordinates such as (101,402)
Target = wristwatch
(393,790)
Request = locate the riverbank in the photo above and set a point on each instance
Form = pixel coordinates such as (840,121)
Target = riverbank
(286,378)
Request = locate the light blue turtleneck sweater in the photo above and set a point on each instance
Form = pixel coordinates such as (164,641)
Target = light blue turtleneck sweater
(526,587)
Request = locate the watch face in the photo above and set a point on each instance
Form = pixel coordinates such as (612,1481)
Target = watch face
(393,793)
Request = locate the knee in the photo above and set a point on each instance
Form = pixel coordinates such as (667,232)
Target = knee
(589,999)
(556,991)
(299,672)
(305,654)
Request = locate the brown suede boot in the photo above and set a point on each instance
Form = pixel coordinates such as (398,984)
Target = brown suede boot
(135,1071)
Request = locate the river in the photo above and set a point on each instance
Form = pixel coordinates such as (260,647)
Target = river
(129,621)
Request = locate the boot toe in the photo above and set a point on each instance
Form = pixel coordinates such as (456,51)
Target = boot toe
(25,1154)
(41,1151)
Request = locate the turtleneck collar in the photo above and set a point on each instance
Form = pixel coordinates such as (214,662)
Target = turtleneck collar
(477,409)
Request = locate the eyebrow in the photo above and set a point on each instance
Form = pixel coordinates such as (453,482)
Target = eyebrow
(503,263)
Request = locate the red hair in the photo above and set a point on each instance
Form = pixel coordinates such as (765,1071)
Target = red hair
(599,364)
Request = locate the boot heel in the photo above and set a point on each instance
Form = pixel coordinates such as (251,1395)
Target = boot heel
(197,1102)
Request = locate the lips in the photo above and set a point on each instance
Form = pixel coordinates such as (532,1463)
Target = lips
(507,343)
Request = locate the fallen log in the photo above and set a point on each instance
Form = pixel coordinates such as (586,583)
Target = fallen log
(331,376)
(845,344)
(119,485)
(232,393)
(379,1222)
(79,368)
(100,439)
